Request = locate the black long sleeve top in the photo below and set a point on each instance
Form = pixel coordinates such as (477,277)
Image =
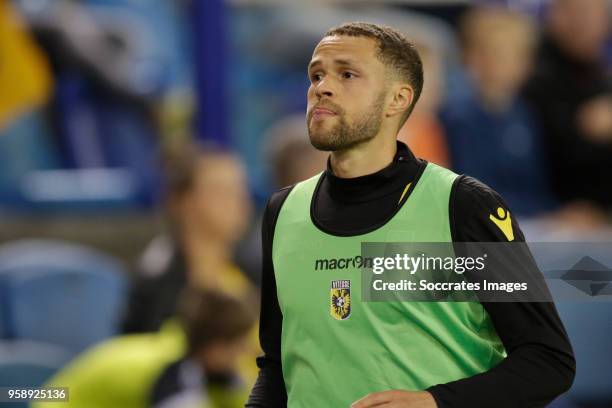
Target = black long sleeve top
(540,363)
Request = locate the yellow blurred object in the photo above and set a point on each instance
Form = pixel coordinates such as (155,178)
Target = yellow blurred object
(118,372)
(121,372)
(25,78)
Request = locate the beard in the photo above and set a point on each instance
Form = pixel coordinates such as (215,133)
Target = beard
(343,135)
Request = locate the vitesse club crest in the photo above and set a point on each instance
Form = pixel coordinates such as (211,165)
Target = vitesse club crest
(340,305)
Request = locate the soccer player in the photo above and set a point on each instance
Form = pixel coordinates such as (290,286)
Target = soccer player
(365,81)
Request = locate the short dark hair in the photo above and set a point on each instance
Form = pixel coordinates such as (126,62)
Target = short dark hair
(209,316)
(394,50)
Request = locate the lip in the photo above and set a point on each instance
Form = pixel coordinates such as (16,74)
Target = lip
(322,112)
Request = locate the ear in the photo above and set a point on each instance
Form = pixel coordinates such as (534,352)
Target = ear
(403,95)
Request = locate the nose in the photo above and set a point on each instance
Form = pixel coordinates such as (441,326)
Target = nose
(324,88)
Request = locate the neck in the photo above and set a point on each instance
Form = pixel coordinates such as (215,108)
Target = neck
(496,100)
(206,257)
(365,158)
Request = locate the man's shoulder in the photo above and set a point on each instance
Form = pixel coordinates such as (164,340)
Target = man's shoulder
(277,198)
(477,211)
(469,189)
(273,207)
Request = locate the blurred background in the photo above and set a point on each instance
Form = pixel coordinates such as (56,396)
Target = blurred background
(140,139)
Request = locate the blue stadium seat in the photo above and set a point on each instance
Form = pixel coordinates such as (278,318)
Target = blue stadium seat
(61,293)
(3,312)
(589,327)
(25,146)
(28,364)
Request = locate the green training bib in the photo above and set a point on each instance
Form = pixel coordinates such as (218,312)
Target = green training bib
(335,348)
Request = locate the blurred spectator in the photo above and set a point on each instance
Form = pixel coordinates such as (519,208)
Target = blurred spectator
(424,132)
(292,159)
(208,206)
(25,80)
(490,131)
(189,363)
(112,63)
(288,151)
(108,51)
(572,94)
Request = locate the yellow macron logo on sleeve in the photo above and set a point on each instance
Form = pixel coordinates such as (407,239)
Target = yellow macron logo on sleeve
(503,221)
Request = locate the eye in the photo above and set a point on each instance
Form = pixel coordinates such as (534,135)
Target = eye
(315,77)
(348,75)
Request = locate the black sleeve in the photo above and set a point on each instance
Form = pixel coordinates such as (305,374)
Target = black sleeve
(540,364)
(269,389)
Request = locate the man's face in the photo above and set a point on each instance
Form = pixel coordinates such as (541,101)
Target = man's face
(500,65)
(347,92)
(219,201)
(582,27)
